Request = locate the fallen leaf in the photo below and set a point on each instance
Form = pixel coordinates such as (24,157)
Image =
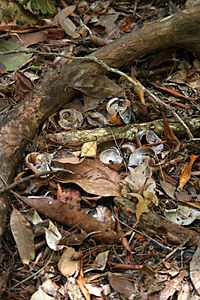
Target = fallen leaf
(141,206)
(183,215)
(195,270)
(186,173)
(170,136)
(40,294)
(67,264)
(122,284)
(23,236)
(93,177)
(89,149)
(13,61)
(99,262)
(172,286)
(53,236)
(81,283)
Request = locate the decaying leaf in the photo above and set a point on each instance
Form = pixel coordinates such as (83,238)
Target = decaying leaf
(40,294)
(23,236)
(99,262)
(93,177)
(186,173)
(122,284)
(81,283)
(53,236)
(172,286)
(195,270)
(68,264)
(183,215)
(170,136)
(141,206)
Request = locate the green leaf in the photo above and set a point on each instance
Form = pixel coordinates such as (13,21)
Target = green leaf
(15,60)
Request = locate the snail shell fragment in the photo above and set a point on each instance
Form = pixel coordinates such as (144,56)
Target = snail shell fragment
(70,118)
(111,158)
(119,110)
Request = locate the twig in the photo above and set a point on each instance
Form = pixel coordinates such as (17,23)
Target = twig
(28,178)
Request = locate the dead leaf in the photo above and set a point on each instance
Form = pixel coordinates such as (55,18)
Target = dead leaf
(195,270)
(89,149)
(94,178)
(186,173)
(53,236)
(170,136)
(64,214)
(23,236)
(40,294)
(81,283)
(67,264)
(67,24)
(122,284)
(141,206)
(99,262)
(172,286)
(183,215)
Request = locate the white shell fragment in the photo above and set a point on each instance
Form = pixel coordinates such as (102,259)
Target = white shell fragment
(112,158)
(140,154)
(152,138)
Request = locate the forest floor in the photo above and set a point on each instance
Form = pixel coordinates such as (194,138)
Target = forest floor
(112,178)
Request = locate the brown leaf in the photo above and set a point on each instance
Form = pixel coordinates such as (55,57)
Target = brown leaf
(25,83)
(141,206)
(64,214)
(23,236)
(186,173)
(94,178)
(170,136)
(67,264)
(122,285)
(195,270)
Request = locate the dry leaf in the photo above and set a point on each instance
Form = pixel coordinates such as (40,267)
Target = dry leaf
(122,284)
(141,206)
(67,264)
(81,283)
(94,178)
(170,136)
(89,149)
(53,236)
(195,270)
(23,236)
(186,173)
(172,286)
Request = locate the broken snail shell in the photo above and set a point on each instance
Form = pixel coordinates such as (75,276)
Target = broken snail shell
(111,158)
(140,154)
(119,110)
(39,162)
(70,118)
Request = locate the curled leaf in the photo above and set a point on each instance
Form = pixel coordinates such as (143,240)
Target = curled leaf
(23,236)
(186,173)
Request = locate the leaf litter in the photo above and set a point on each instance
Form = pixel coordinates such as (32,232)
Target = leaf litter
(86,246)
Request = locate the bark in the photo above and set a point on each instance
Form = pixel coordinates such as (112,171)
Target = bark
(102,135)
(58,84)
